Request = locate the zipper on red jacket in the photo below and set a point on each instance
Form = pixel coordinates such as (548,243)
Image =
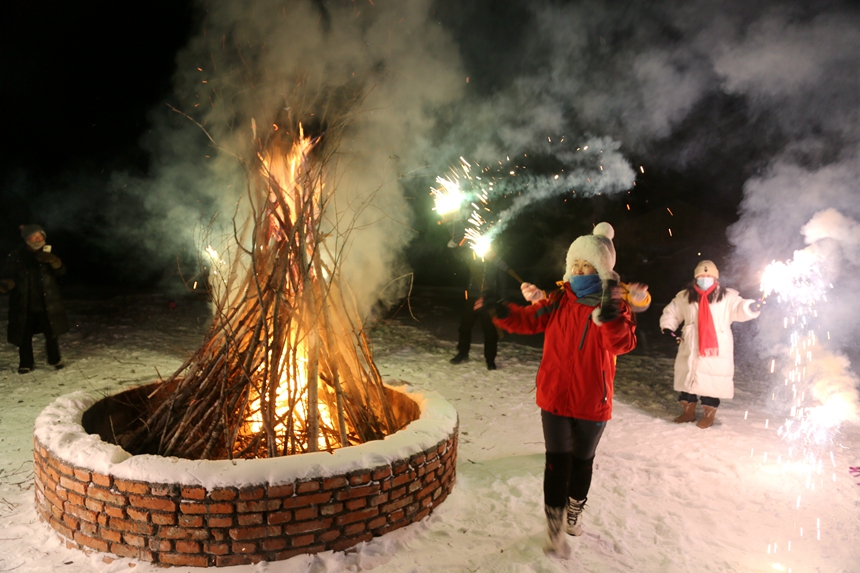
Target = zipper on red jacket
(584,332)
(605,389)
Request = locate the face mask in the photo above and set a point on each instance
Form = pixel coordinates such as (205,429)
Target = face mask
(583,285)
(705,283)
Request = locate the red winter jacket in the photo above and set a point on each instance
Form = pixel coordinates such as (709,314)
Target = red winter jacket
(577,371)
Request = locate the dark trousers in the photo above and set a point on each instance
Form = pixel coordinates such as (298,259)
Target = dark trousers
(706,400)
(37,322)
(467,323)
(570,447)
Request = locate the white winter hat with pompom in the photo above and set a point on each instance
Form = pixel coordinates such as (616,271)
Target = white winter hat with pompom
(597,249)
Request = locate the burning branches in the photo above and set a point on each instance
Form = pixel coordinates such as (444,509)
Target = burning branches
(285,368)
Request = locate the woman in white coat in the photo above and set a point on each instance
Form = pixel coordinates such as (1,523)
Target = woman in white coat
(705,364)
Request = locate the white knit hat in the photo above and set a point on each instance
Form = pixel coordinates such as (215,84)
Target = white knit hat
(706,268)
(597,249)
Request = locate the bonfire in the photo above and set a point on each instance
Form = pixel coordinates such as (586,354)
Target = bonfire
(286,367)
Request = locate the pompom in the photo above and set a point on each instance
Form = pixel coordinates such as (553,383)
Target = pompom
(605,230)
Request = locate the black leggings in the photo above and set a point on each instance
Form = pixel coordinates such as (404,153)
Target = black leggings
(706,400)
(570,447)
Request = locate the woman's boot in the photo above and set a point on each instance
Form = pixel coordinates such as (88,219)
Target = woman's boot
(707,417)
(689,414)
(556,540)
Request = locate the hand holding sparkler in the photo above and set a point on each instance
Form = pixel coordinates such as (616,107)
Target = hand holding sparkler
(490,302)
(532,293)
(757,304)
(610,301)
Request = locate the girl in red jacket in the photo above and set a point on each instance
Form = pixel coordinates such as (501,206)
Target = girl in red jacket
(576,374)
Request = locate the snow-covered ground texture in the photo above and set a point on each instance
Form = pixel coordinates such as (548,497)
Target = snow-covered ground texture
(665,498)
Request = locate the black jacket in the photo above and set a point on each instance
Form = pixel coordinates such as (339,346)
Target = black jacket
(35,290)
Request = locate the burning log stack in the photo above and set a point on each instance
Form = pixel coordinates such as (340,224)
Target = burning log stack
(286,367)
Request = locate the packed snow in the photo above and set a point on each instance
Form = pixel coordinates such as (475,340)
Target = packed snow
(665,497)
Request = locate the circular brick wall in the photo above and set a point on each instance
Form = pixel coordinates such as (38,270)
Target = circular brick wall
(173,511)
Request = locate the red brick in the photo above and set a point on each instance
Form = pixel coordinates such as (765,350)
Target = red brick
(394,515)
(243,547)
(221,508)
(285,490)
(122,550)
(199,534)
(222,494)
(334,482)
(137,514)
(61,467)
(110,535)
(397,493)
(101,480)
(331,508)
(290,553)
(416,460)
(73,485)
(192,507)
(253,506)
(82,475)
(216,548)
(274,544)
(306,513)
(219,521)
(431,456)
(230,560)
(381,473)
(329,535)
(432,465)
(164,489)
(249,519)
(183,559)
(399,468)
(354,528)
(130,526)
(427,490)
(164,518)
(191,521)
(91,542)
(422,514)
(361,491)
(82,513)
(378,499)
(92,504)
(307,486)
(53,499)
(377,522)
(134,540)
(414,486)
(73,497)
(172,532)
(160,545)
(359,479)
(303,500)
(187,547)
(114,511)
(357,516)
(245,533)
(60,527)
(155,503)
(251,493)
(193,492)
(131,486)
(354,504)
(305,526)
(302,540)
(348,542)
(90,529)
(279,517)
(107,496)
(401,479)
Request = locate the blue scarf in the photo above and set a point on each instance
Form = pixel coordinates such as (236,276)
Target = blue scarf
(584,285)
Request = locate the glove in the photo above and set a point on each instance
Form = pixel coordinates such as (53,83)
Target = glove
(6,285)
(49,258)
(495,305)
(610,301)
(531,293)
(757,304)
(638,291)
(672,334)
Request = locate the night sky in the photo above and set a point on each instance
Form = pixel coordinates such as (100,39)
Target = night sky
(718,103)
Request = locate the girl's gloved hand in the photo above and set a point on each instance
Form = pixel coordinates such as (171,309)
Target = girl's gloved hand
(531,293)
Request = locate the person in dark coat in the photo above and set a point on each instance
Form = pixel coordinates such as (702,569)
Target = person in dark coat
(484,276)
(29,277)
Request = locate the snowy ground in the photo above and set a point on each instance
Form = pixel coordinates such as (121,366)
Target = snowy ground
(665,497)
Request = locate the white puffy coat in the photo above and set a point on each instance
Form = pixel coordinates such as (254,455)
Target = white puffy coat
(706,375)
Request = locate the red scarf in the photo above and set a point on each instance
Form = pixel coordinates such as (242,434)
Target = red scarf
(708,345)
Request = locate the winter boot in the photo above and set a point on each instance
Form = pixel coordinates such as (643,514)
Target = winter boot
(555,542)
(460,358)
(574,516)
(689,414)
(707,417)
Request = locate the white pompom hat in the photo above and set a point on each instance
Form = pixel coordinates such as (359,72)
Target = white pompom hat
(597,249)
